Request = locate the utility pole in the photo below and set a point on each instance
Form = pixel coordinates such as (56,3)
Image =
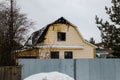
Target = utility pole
(11,22)
(11,46)
(11,19)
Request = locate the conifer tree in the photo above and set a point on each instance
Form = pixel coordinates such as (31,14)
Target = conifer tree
(92,40)
(110,30)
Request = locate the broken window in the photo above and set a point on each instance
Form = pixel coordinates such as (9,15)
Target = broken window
(68,55)
(54,55)
(61,36)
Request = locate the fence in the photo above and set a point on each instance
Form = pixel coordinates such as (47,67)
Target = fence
(10,72)
(81,69)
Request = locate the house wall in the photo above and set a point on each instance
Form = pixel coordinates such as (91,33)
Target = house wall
(73,38)
(28,53)
(44,53)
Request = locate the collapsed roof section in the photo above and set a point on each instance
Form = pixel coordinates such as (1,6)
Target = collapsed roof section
(36,37)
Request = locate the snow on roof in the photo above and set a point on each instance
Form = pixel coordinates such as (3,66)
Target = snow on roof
(35,37)
(56,46)
(49,76)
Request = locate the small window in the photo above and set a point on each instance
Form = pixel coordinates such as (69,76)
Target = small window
(68,54)
(61,36)
(55,55)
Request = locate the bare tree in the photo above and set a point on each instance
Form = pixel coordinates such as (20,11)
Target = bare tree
(13,28)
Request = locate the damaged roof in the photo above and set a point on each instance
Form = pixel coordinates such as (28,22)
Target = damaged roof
(39,36)
(36,37)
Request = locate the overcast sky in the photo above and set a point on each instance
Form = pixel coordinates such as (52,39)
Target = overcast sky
(79,12)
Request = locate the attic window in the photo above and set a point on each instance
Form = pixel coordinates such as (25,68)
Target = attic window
(61,36)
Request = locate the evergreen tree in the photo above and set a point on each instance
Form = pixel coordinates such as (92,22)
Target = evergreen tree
(92,40)
(110,30)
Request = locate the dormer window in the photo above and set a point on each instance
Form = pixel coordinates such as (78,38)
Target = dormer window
(61,36)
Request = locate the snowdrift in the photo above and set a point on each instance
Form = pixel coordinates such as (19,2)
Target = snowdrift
(49,76)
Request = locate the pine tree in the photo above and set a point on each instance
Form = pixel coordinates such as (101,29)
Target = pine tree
(92,40)
(110,30)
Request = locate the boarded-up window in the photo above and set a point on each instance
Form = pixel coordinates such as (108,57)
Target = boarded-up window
(61,36)
(68,54)
(54,55)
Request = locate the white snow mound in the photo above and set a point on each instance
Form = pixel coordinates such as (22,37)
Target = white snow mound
(49,76)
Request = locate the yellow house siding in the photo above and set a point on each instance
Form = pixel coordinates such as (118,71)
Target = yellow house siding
(74,42)
(28,53)
(76,53)
(72,37)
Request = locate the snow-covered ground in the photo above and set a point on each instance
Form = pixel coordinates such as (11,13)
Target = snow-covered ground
(49,76)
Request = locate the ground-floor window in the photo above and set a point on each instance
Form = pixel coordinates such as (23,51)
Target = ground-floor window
(68,54)
(54,54)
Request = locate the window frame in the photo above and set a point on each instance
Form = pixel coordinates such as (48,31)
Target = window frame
(61,36)
(69,56)
(53,56)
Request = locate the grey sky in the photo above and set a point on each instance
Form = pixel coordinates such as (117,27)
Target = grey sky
(79,12)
